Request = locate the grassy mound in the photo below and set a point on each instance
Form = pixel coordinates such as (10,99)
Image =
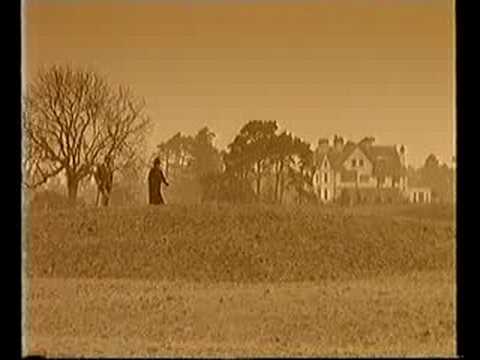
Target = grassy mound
(246,244)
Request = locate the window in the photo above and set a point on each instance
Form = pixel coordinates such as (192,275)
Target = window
(354,162)
(325,178)
(360,162)
(325,194)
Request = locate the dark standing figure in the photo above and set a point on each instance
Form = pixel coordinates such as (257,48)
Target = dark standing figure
(155,180)
(104,179)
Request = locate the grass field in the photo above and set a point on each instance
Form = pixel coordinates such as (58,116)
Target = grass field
(244,281)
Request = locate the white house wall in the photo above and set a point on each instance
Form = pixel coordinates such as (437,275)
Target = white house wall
(358,155)
(413,195)
(347,185)
(364,170)
(371,183)
(320,185)
(388,182)
(335,185)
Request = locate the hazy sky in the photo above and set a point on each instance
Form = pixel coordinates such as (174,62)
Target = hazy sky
(353,67)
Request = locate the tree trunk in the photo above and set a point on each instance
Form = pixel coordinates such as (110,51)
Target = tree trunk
(357,192)
(259,179)
(301,185)
(334,176)
(259,184)
(167,162)
(282,187)
(277,179)
(72,187)
(277,187)
(282,183)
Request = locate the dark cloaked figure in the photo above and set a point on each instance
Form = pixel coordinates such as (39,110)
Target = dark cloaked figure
(104,179)
(155,180)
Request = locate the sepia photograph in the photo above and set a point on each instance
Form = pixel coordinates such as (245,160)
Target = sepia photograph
(239,178)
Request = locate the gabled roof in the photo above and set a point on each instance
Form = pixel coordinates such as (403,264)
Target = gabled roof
(375,152)
(385,159)
(335,158)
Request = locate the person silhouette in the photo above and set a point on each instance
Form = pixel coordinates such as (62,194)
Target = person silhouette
(104,179)
(155,180)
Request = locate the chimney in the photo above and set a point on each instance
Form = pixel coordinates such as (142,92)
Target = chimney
(367,141)
(322,145)
(338,143)
(402,152)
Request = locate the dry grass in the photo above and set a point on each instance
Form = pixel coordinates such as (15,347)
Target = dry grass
(246,281)
(246,244)
(395,316)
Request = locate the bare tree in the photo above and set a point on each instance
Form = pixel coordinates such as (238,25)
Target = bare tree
(72,119)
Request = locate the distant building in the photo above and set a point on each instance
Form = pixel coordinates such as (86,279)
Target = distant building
(419,192)
(420,195)
(364,170)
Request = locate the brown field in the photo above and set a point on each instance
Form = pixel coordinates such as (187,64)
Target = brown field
(245,281)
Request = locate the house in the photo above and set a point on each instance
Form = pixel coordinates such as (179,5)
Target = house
(420,195)
(418,191)
(365,170)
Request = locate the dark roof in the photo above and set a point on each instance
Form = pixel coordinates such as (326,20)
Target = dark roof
(335,157)
(374,152)
(385,160)
(414,181)
(321,158)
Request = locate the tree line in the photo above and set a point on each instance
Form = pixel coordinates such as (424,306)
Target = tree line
(262,164)
(73,118)
(259,154)
(440,178)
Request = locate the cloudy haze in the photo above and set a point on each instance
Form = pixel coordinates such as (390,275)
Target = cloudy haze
(356,68)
